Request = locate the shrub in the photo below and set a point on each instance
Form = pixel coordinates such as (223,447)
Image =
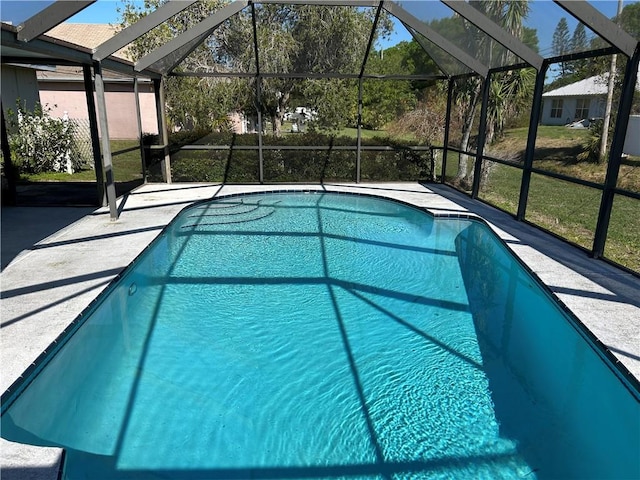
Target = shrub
(591,147)
(42,143)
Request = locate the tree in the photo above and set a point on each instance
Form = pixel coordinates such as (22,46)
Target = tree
(427,120)
(386,100)
(42,143)
(508,89)
(191,102)
(530,38)
(629,19)
(291,39)
(560,42)
(579,43)
(302,39)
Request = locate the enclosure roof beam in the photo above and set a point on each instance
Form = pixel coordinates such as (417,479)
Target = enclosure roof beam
(596,21)
(49,17)
(499,34)
(167,64)
(166,57)
(139,28)
(423,29)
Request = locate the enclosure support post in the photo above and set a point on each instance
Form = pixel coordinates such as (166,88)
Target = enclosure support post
(258,93)
(536,112)
(359,139)
(362,70)
(482,134)
(615,154)
(259,110)
(95,136)
(106,147)
(163,133)
(136,91)
(447,123)
(10,169)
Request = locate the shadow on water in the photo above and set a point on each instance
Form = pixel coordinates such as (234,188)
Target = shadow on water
(623,286)
(483,281)
(377,470)
(380,468)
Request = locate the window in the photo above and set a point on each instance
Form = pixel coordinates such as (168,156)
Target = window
(582,108)
(556,108)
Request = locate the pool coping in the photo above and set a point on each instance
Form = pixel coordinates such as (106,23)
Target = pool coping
(40,299)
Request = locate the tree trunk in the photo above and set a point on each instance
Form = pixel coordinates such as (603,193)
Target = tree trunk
(276,123)
(466,136)
(602,157)
(277,118)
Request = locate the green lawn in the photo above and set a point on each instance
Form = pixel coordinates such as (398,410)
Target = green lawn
(570,211)
(127,166)
(565,208)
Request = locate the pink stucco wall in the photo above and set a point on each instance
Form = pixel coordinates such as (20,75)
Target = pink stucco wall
(121,106)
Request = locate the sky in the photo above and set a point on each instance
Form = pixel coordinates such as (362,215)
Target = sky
(544,15)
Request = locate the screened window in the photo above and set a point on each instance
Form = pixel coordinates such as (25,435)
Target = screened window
(582,108)
(556,108)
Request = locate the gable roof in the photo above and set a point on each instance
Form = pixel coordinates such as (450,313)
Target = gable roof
(596,85)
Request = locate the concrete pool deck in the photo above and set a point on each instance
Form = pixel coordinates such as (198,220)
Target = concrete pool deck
(46,285)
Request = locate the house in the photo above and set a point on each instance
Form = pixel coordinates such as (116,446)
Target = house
(299,118)
(62,88)
(577,101)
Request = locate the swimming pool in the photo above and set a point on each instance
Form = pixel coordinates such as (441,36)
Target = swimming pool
(321,336)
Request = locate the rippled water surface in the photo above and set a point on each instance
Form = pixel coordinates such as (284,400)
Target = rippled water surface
(311,336)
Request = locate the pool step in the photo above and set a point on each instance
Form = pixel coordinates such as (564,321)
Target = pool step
(224,213)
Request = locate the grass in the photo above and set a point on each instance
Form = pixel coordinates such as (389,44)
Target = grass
(127,166)
(364,133)
(571,211)
(565,208)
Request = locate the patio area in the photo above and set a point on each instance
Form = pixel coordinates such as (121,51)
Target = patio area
(57,260)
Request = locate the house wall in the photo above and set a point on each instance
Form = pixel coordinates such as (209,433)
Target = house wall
(70,97)
(632,140)
(18,83)
(596,109)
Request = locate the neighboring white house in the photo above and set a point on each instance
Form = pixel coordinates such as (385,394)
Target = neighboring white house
(577,101)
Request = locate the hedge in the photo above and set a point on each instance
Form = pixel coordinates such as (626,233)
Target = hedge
(233,165)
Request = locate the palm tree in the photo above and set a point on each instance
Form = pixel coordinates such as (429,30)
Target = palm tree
(508,90)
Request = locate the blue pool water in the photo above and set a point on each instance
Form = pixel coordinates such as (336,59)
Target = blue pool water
(328,336)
